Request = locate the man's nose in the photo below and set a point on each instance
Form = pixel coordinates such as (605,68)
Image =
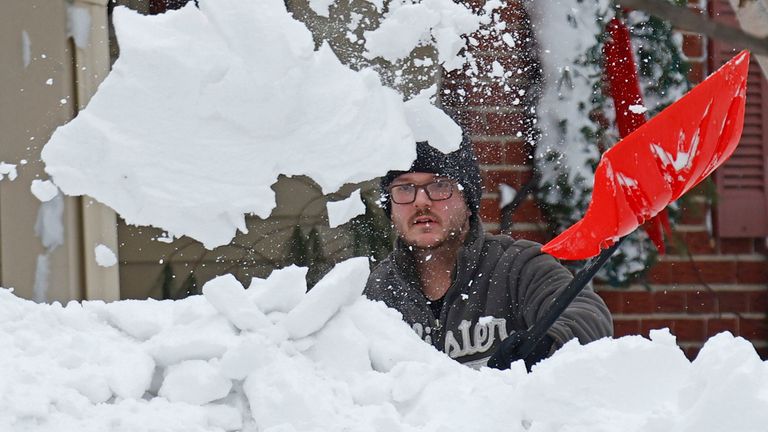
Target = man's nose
(422,199)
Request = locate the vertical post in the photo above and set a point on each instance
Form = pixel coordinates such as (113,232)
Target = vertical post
(99,222)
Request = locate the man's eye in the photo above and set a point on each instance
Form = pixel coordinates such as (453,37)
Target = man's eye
(405,188)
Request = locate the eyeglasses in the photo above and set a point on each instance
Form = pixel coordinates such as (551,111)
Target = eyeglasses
(437,190)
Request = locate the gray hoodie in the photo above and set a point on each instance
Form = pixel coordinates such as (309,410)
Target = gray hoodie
(499,286)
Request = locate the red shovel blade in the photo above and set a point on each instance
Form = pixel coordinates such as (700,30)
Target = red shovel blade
(661,160)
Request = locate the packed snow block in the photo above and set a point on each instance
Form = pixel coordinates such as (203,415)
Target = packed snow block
(340,347)
(281,291)
(253,352)
(130,373)
(725,373)
(291,395)
(139,319)
(390,340)
(608,368)
(195,382)
(340,287)
(228,297)
(203,339)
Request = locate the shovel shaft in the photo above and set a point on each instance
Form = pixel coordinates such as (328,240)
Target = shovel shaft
(564,299)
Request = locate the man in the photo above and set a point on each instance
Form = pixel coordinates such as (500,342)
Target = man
(468,293)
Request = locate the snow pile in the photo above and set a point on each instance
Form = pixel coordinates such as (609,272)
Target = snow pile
(271,358)
(248,98)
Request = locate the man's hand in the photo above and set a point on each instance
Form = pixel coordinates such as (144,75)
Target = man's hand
(508,351)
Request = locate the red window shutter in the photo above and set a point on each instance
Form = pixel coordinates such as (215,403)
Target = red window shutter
(742,182)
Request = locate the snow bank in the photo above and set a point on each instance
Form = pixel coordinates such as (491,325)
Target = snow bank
(245,97)
(336,361)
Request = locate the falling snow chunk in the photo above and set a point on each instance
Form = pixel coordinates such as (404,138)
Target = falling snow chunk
(340,212)
(105,257)
(508,39)
(303,102)
(638,109)
(8,170)
(44,190)
(321,7)
(49,81)
(507,193)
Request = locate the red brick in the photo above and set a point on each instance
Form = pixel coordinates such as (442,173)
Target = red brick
(489,152)
(518,153)
(753,329)
(492,179)
(614,300)
(696,73)
(628,327)
(686,272)
(528,211)
(509,61)
(762,352)
(752,272)
(734,301)
(654,324)
(489,210)
(513,13)
(469,93)
(761,246)
(690,330)
(670,301)
(507,124)
(736,246)
(701,302)
(638,302)
(758,301)
(693,45)
(719,325)
(691,352)
(695,242)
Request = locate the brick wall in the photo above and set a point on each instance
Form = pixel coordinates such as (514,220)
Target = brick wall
(703,286)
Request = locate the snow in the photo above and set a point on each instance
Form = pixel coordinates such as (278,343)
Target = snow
(321,7)
(274,357)
(409,24)
(8,170)
(73,368)
(105,256)
(638,109)
(44,190)
(79,25)
(248,94)
(26,49)
(340,212)
(507,193)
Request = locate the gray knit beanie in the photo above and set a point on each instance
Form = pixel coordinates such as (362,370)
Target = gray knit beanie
(460,165)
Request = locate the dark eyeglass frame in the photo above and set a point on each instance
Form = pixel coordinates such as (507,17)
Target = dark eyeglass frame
(424,186)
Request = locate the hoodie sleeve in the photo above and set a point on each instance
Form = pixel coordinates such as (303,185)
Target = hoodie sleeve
(536,279)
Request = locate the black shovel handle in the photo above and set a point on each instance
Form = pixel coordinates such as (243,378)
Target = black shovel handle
(564,299)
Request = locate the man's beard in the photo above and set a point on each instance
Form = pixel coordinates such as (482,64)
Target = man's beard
(454,237)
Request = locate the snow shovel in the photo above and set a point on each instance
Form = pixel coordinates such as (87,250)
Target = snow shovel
(651,167)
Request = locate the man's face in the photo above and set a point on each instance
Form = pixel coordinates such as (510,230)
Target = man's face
(425,223)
